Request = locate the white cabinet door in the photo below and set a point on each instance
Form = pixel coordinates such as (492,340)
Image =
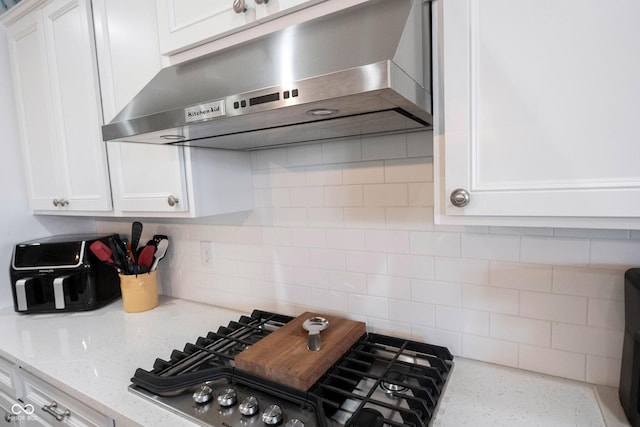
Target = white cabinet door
(146,178)
(12,411)
(266,10)
(187,23)
(58,100)
(127,47)
(540,106)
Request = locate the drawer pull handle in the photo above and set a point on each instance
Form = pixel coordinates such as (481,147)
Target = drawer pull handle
(58,414)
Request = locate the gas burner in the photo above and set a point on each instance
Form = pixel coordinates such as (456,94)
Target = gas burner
(367,417)
(393,383)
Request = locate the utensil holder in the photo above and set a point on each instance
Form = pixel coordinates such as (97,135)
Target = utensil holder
(139,292)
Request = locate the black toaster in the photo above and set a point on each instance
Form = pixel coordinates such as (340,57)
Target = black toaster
(61,274)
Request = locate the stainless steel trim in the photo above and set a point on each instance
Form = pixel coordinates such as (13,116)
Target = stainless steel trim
(21,293)
(58,292)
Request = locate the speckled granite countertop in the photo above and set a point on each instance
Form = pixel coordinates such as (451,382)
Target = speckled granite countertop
(92,356)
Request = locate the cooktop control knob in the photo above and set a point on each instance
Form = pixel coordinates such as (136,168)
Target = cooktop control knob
(203,394)
(294,423)
(272,416)
(249,406)
(228,397)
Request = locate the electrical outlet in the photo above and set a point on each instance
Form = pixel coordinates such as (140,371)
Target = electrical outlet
(206,254)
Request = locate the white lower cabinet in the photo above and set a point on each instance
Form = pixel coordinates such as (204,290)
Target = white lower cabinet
(540,106)
(53,407)
(170,181)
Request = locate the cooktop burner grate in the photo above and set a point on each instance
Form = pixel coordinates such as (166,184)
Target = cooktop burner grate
(384,381)
(210,357)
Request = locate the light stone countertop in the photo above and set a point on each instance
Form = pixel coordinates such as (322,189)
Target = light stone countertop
(92,356)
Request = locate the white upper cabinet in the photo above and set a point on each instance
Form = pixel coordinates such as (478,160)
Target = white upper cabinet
(170,181)
(540,105)
(183,24)
(58,108)
(186,23)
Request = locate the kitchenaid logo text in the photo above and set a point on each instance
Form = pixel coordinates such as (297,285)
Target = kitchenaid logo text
(204,111)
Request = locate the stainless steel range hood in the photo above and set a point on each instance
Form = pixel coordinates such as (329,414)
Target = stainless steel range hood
(361,71)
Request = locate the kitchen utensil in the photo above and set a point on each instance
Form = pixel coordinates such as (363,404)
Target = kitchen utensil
(161,250)
(102,251)
(315,325)
(282,356)
(136,233)
(145,259)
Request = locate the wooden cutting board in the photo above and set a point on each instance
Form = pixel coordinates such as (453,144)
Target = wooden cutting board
(282,356)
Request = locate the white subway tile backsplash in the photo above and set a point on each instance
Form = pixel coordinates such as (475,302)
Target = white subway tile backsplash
(384,147)
(302,155)
(420,144)
(487,298)
(389,287)
(363,172)
(413,218)
(306,197)
(318,175)
(541,250)
(603,370)
(420,194)
(587,340)
(561,308)
(325,217)
(590,282)
(309,237)
(606,313)
(385,195)
(441,293)
(491,246)
(340,238)
(553,362)
(435,243)
(367,262)
(387,241)
(411,266)
(462,270)
(415,169)
(343,195)
(615,252)
(490,350)
(347,228)
(333,301)
(366,305)
(462,320)
(347,281)
(530,277)
(412,313)
(372,217)
(347,150)
(521,329)
(327,258)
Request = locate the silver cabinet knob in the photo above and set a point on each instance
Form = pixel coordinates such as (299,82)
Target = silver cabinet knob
(262,1)
(460,198)
(249,406)
(272,416)
(60,202)
(172,201)
(56,202)
(240,6)
(227,398)
(203,394)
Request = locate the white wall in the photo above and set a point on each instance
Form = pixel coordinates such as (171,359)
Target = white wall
(17,223)
(347,228)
